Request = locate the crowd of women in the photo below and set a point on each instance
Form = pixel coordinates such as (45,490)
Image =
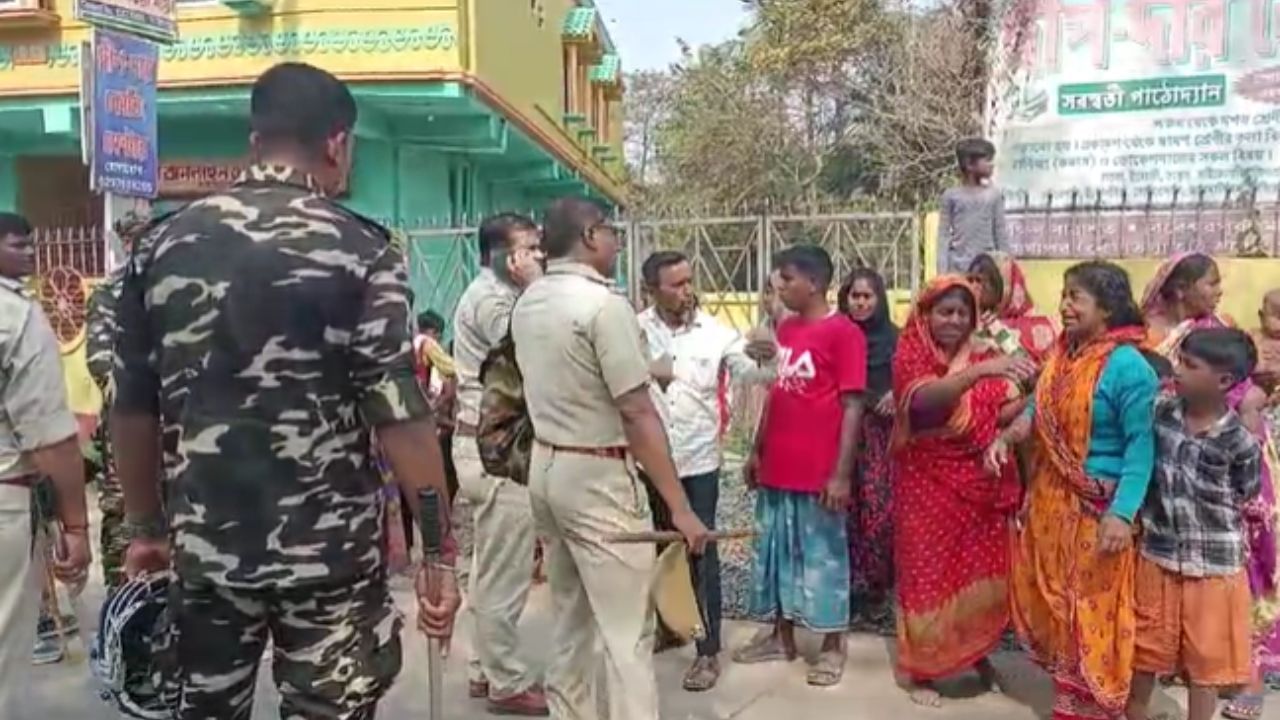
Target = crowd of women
(948,551)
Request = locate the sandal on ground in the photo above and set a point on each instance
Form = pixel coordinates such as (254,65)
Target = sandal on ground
(828,670)
(1245,706)
(763,648)
(702,676)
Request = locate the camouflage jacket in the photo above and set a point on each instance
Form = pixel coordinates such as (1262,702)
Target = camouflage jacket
(100,333)
(269,330)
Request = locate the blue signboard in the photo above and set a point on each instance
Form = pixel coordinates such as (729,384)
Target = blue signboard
(154,19)
(125,156)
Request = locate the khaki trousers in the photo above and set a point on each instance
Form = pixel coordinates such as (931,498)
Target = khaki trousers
(22,570)
(599,590)
(501,570)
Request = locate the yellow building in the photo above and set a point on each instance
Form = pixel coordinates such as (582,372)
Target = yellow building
(466,106)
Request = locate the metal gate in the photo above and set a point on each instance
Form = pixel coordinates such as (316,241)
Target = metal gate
(731,255)
(442,262)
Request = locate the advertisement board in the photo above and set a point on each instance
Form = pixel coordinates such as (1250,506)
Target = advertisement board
(1107,97)
(123,114)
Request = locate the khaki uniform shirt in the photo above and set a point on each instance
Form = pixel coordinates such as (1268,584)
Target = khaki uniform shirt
(33,393)
(479,324)
(579,348)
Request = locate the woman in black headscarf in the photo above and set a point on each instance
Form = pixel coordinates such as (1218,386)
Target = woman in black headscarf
(864,301)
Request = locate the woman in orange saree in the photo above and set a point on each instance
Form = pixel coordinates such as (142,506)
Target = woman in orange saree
(950,516)
(1010,321)
(1093,449)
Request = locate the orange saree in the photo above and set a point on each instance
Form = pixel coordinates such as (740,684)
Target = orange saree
(1072,605)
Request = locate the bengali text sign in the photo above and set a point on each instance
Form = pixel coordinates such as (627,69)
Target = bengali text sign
(124,115)
(154,19)
(1138,95)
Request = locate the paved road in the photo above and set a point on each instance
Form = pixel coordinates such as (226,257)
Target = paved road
(744,693)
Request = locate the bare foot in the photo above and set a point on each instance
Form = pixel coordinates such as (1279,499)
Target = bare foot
(924,695)
(988,676)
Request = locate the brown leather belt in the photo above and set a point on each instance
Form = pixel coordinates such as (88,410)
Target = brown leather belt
(24,481)
(608,453)
(461,429)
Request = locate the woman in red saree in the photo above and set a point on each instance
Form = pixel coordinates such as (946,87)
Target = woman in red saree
(950,515)
(1010,321)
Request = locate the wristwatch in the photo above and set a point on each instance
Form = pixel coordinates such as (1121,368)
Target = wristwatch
(152,528)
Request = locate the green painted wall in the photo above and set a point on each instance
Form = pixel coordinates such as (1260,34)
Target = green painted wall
(8,185)
(373,181)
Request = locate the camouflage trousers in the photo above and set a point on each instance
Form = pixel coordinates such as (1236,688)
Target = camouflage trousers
(112,537)
(335,649)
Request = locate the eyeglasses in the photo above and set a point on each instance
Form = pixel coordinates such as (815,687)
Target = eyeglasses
(603,226)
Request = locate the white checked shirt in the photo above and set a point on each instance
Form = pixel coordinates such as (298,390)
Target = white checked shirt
(689,406)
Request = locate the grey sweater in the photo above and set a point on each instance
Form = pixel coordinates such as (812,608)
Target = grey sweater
(971,223)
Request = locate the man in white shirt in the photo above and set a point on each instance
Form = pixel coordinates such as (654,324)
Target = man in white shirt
(692,355)
(503,541)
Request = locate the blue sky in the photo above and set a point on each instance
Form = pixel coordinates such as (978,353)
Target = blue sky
(645,31)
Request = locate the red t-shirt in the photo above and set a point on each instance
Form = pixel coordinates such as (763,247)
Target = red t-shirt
(818,361)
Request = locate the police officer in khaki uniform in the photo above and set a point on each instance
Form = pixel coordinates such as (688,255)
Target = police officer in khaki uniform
(37,438)
(586,384)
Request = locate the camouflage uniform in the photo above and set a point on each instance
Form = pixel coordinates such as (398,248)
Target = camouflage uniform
(99,351)
(269,329)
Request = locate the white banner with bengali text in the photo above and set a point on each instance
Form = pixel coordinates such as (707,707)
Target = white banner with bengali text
(1126,98)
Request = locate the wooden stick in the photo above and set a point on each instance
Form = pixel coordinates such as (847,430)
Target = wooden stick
(51,587)
(69,653)
(667,536)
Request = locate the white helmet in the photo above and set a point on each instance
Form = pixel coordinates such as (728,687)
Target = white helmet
(133,625)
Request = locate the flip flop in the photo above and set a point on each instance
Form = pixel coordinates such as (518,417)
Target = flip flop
(763,648)
(1245,706)
(828,670)
(702,676)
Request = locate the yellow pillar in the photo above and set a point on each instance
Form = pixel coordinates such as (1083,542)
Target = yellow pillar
(571,78)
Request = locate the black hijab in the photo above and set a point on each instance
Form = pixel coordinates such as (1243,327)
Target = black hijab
(881,333)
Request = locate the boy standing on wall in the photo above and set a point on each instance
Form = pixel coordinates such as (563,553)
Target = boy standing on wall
(971,217)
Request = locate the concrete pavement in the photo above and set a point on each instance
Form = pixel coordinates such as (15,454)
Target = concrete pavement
(868,692)
(745,693)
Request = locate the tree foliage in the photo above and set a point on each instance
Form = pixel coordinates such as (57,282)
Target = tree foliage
(818,102)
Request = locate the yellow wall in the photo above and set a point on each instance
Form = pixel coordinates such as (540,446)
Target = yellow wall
(378,39)
(82,393)
(514,56)
(1244,282)
(496,46)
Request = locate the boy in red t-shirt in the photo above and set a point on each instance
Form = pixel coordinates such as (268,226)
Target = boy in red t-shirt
(803,465)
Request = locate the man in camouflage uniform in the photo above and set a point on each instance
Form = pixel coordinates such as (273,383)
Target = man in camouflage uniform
(100,337)
(266,330)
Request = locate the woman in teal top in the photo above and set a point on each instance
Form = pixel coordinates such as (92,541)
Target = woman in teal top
(1121,440)
(1093,452)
